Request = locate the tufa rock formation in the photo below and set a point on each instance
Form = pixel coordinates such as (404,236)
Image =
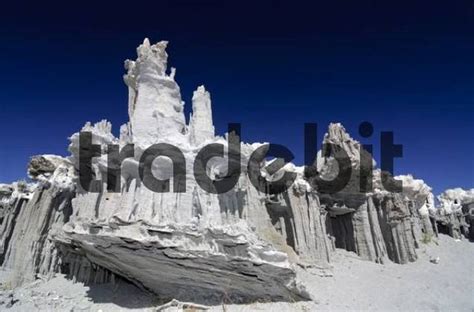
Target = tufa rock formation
(241,245)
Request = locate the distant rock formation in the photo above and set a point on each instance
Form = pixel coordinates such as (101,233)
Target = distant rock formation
(197,245)
(455,215)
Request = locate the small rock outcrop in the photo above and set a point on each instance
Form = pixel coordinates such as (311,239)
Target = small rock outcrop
(149,84)
(455,215)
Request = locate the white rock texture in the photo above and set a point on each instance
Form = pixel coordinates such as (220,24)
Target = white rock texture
(198,246)
(455,215)
(201,128)
(155,107)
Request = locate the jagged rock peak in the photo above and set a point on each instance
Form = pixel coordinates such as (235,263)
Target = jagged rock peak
(414,187)
(155,53)
(462,195)
(101,134)
(155,107)
(452,200)
(418,192)
(201,127)
(337,133)
(340,140)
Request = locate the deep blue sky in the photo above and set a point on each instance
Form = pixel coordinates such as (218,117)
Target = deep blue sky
(405,66)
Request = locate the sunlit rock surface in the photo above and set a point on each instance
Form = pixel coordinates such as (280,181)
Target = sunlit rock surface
(155,107)
(198,245)
(201,128)
(455,215)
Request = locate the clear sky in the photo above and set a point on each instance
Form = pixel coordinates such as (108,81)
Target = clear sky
(405,66)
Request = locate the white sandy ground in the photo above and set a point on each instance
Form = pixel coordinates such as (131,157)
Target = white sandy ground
(352,284)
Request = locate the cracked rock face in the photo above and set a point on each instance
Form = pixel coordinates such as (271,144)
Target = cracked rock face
(180,262)
(241,245)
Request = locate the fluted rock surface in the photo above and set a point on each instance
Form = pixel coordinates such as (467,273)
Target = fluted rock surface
(193,243)
(198,243)
(376,224)
(32,212)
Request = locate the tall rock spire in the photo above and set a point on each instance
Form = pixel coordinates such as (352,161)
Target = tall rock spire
(200,124)
(155,105)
